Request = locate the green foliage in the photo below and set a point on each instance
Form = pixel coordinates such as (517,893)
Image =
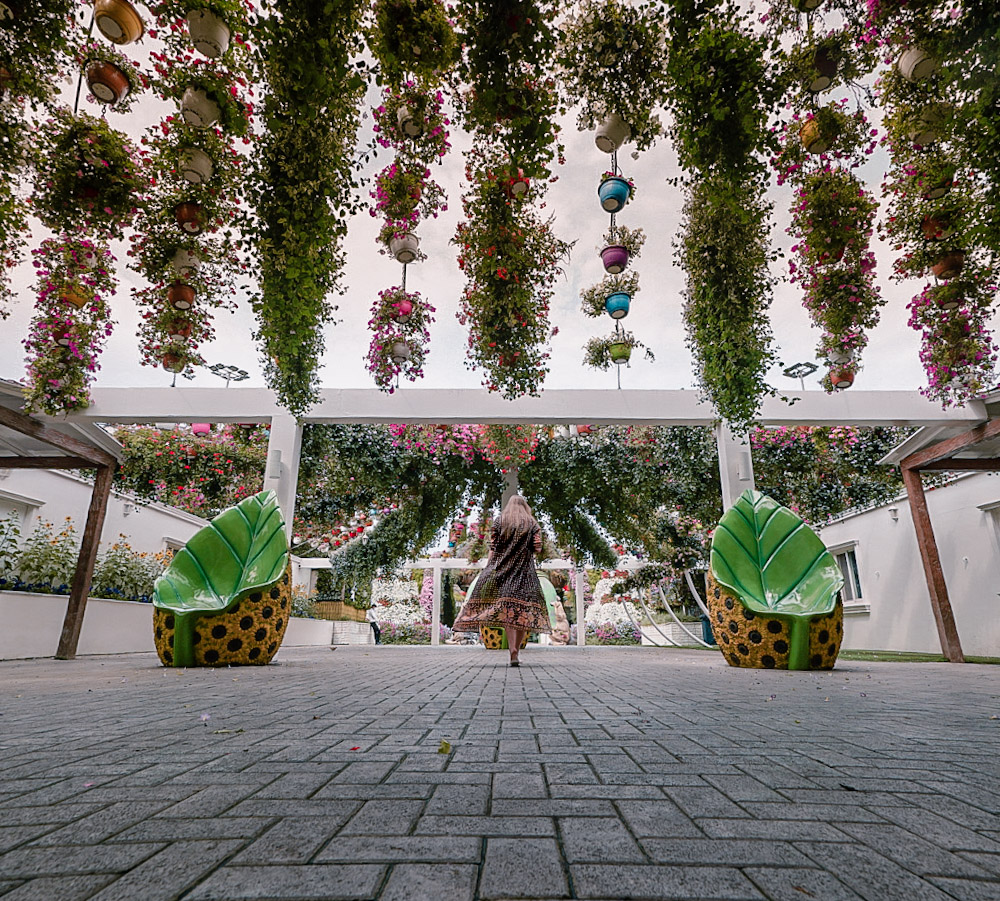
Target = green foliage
(412,37)
(122,573)
(632,239)
(597,351)
(47,561)
(34,48)
(10,546)
(304,184)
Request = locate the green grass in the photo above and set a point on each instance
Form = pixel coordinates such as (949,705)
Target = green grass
(909,657)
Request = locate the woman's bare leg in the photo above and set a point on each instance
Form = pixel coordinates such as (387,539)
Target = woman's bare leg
(514,637)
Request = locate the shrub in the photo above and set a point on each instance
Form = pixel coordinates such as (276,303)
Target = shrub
(48,561)
(125,574)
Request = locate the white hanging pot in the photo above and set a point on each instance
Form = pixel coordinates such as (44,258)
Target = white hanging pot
(186,263)
(612,133)
(839,357)
(916,64)
(88,259)
(405,248)
(196,166)
(209,34)
(409,125)
(198,109)
(400,352)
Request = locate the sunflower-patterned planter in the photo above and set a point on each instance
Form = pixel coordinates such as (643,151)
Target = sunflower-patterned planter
(773,589)
(225,599)
(495,639)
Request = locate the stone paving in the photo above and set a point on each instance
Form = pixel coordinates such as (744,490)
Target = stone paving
(598,773)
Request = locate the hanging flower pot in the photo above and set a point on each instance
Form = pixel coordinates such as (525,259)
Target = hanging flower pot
(186,263)
(198,109)
(841,378)
(516,187)
(813,138)
(928,126)
(949,265)
(5,78)
(188,216)
(196,166)
(620,353)
(403,309)
(585,429)
(107,82)
(201,428)
(409,124)
(616,305)
(87,258)
(940,186)
(936,228)
(839,357)
(804,6)
(179,330)
(180,296)
(64,339)
(405,247)
(947,297)
(209,34)
(400,352)
(825,63)
(118,21)
(612,133)
(614,193)
(74,296)
(615,258)
(10,10)
(173,363)
(916,64)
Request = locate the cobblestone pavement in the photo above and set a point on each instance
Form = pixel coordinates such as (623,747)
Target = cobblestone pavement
(599,773)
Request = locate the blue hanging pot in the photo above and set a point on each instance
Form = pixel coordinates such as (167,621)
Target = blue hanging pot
(614,193)
(616,305)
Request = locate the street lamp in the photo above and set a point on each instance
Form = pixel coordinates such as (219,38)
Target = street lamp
(229,373)
(800,371)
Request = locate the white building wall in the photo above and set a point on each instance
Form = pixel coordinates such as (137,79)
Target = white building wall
(53,495)
(965,516)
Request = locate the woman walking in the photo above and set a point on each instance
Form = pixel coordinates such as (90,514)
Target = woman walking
(507,594)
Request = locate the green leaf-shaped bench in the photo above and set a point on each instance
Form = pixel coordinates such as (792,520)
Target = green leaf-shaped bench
(225,599)
(773,589)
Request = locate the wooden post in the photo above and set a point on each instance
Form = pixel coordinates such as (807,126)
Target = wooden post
(73,622)
(944,618)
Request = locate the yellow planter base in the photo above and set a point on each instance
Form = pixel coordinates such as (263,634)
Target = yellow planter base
(495,639)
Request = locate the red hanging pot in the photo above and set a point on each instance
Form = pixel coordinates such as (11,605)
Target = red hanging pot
(517,186)
(188,216)
(107,82)
(180,296)
(949,265)
(841,378)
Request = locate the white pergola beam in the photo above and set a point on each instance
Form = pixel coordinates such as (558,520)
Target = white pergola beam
(557,407)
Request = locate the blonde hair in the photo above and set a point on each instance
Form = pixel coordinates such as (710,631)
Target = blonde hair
(516,517)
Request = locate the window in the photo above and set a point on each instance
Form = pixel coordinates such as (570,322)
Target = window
(847,560)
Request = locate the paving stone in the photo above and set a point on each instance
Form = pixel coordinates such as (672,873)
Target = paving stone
(940,830)
(414,848)
(27,863)
(56,888)
(454,825)
(799,885)
(780,830)
(598,840)
(659,882)
(911,851)
(723,852)
(291,840)
(552,807)
(661,819)
(968,889)
(102,824)
(460,799)
(454,882)
(523,868)
(160,829)
(384,818)
(311,882)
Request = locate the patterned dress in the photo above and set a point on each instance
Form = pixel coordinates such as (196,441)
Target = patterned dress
(507,592)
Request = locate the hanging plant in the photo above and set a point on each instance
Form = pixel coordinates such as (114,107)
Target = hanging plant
(621,246)
(414,37)
(602,352)
(35,49)
(303,185)
(815,65)
(14,158)
(612,58)
(957,348)
(508,446)
(397,350)
(511,258)
(71,323)
(594,298)
(203,19)
(112,77)
(404,194)
(411,120)
(87,174)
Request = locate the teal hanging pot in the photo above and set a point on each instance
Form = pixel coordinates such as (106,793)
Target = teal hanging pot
(614,193)
(616,305)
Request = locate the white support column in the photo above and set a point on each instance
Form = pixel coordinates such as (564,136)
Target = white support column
(436,603)
(281,474)
(581,628)
(511,488)
(735,465)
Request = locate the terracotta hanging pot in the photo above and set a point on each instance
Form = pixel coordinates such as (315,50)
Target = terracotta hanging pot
(813,139)
(939,188)
(949,265)
(196,166)
(947,297)
(180,296)
(173,363)
(841,378)
(198,109)
(179,330)
(107,82)
(10,10)
(64,339)
(516,187)
(936,228)
(188,216)
(209,34)
(118,21)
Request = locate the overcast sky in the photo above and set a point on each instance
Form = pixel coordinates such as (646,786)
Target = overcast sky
(890,360)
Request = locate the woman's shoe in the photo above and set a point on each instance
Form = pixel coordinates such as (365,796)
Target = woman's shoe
(515,663)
